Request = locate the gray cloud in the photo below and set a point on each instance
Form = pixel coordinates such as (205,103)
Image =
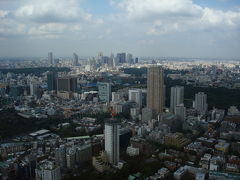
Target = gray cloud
(143,27)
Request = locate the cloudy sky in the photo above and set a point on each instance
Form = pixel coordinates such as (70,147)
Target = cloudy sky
(173,28)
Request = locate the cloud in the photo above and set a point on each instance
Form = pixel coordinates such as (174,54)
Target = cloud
(166,16)
(48,11)
(3,14)
(45,18)
(153,9)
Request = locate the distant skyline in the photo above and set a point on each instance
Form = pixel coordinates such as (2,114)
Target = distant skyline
(156,28)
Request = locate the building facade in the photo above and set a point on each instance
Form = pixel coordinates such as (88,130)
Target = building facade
(177,97)
(135,95)
(104,92)
(155,89)
(201,103)
(111,133)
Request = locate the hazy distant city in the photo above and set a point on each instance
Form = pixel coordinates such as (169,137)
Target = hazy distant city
(120,90)
(119,117)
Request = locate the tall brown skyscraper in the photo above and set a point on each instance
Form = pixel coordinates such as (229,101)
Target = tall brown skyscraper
(155,89)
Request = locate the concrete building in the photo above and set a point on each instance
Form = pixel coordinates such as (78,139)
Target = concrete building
(155,89)
(111,133)
(116,96)
(100,163)
(177,97)
(67,84)
(121,58)
(176,140)
(135,95)
(75,59)
(84,154)
(104,92)
(147,114)
(60,156)
(52,81)
(34,88)
(50,58)
(47,170)
(201,103)
(70,158)
(180,112)
(131,151)
(129,58)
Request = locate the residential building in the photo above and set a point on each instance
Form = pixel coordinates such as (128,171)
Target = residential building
(111,133)
(201,103)
(177,97)
(47,170)
(104,92)
(155,89)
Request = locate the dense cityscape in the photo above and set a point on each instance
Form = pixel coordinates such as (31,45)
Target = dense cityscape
(119,117)
(119,89)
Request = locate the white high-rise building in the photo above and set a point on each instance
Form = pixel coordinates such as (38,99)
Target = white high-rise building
(135,95)
(104,92)
(180,112)
(201,103)
(70,158)
(75,59)
(50,58)
(111,133)
(33,88)
(177,97)
(129,58)
(116,96)
(60,156)
(47,170)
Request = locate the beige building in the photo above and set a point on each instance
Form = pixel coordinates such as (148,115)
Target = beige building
(100,163)
(155,89)
(176,140)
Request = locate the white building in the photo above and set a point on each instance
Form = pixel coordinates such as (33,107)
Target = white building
(129,58)
(70,158)
(135,95)
(60,156)
(34,88)
(233,111)
(50,58)
(177,97)
(47,170)
(111,133)
(180,112)
(131,151)
(75,59)
(201,103)
(116,96)
(104,92)
(147,114)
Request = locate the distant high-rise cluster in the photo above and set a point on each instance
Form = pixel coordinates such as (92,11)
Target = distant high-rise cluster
(155,89)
